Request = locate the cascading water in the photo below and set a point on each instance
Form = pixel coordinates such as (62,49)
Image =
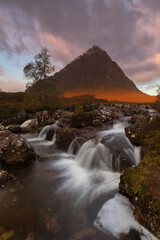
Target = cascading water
(95,172)
(41,138)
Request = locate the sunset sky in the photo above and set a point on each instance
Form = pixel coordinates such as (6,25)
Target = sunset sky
(129,30)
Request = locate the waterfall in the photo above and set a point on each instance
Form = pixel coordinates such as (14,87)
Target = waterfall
(41,138)
(42,134)
(95,172)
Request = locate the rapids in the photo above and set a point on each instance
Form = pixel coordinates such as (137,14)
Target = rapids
(85,186)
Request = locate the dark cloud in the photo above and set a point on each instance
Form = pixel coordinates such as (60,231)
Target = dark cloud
(139,68)
(115,25)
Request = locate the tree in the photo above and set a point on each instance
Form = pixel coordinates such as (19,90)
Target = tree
(39,70)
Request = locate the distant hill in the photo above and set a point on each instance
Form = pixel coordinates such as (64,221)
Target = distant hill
(94,73)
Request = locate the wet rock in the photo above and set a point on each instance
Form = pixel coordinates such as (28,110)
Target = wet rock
(50,134)
(65,136)
(41,118)
(76,144)
(62,114)
(50,222)
(9,182)
(28,125)
(89,234)
(121,150)
(4,177)
(14,128)
(15,149)
(137,123)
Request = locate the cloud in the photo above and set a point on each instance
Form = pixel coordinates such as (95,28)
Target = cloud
(11,84)
(127,30)
(2,72)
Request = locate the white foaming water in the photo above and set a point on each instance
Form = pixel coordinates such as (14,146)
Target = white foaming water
(90,172)
(88,175)
(116,217)
(93,155)
(117,128)
(81,183)
(40,139)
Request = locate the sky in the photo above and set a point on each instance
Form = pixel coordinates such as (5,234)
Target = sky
(129,31)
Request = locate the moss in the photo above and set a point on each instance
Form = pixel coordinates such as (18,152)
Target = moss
(142,186)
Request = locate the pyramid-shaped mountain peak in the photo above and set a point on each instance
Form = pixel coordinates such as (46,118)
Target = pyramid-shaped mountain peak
(94,73)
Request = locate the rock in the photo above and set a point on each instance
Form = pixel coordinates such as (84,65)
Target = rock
(91,107)
(28,125)
(17,119)
(50,223)
(4,177)
(50,134)
(121,150)
(41,118)
(89,234)
(62,114)
(14,128)
(132,131)
(15,149)
(2,128)
(76,144)
(81,120)
(65,136)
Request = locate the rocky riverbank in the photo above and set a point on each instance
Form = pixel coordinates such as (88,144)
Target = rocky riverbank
(67,131)
(141,184)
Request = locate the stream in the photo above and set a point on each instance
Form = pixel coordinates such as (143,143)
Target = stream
(81,190)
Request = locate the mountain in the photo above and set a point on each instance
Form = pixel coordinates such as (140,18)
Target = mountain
(94,73)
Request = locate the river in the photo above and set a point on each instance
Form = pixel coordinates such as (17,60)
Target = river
(81,190)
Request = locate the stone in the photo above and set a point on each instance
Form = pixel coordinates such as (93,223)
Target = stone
(15,149)
(121,149)
(65,136)
(14,128)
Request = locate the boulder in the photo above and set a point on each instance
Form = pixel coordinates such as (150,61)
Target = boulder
(6,179)
(17,119)
(76,144)
(65,136)
(28,125)
(41,118)
(132,131)
(15,149)
(14,128)
(121,151)
(50,134)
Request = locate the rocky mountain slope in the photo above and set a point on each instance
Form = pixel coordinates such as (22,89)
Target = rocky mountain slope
(94,73)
